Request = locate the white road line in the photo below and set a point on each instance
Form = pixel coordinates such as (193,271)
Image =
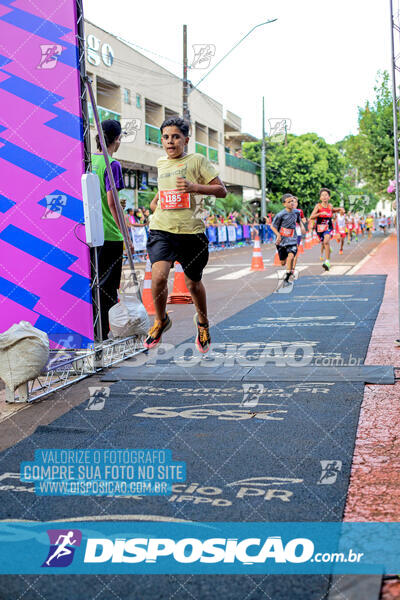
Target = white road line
(274,275)
(235,274)
(364,260)
(209,270)
(337,270)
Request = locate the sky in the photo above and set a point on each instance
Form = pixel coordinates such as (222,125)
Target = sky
(314,66)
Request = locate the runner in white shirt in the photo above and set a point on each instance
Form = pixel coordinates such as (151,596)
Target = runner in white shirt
(341,228)
(383,223)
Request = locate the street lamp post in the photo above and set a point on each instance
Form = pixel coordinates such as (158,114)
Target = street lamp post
(231,50)
(263,198)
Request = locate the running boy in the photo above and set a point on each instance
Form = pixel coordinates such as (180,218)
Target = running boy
(323,214)
(284,227)
(177,229)
(341,228)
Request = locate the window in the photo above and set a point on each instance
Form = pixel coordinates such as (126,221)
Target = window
(138,101)
(127,96)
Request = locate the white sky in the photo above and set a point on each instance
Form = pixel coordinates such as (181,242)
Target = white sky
(315,65)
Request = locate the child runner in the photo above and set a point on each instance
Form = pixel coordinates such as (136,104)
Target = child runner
(177,228)
(369,225)
(298,228)
(323,214)
(350,227)
(341,228)
(383,223)
(284,227)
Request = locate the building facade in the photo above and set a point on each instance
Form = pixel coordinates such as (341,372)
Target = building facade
(137,91)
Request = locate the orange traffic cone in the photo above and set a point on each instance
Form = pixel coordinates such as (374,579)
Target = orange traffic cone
(147,297)
(315,238)
(277,260)
(180,293)
(308,243)
(300,249)
(257,263)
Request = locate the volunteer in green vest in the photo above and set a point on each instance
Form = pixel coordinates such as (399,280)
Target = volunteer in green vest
(110,254)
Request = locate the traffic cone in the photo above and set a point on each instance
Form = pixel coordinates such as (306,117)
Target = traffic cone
(277,260)
(300,249)
(308,243)
(257,263)
(147,297)
(180,293)
(315,239)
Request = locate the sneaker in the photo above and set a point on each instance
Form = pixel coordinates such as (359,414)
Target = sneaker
(155,333)
(340,251)
(397,342)
(321,258)
(326,265)
(203,339)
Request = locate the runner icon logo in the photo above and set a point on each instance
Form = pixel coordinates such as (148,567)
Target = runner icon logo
(50,54)
(98,396)
(54,206)
(330,471)
(63,543)
(203,54)
(251,394)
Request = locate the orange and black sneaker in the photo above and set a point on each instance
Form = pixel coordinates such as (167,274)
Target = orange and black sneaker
(155,333)
(203,339)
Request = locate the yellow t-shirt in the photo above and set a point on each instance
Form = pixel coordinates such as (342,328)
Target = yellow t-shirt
(369,221)
(195,168)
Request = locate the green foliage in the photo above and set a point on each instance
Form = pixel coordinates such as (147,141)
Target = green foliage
(371,151)
(224,206)
(145,197)
(301,167)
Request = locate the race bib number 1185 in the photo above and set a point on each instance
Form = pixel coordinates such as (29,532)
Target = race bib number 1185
(172,199)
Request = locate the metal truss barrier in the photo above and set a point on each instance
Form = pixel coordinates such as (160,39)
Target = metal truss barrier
(66,367)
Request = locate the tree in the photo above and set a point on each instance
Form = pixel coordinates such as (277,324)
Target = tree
(371,151)
(301,167)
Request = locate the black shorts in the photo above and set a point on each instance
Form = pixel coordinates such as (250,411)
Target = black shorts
(188,249)
(283,251)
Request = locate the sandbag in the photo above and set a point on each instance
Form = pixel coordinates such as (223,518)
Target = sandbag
(24,351)
(128,317)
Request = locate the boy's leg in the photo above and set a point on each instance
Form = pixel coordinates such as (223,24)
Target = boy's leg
(327,246)
(159,287)
(199,297)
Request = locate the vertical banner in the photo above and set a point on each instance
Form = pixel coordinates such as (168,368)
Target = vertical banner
(44,267)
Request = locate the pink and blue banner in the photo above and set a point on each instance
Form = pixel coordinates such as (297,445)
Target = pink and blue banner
(44,267)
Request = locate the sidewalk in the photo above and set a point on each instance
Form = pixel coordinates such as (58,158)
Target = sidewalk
(374,491)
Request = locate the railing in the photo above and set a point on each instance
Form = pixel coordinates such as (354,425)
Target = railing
(201,149)
(104,113)
(240,163)
(213,154)
(153,135)
(208,151)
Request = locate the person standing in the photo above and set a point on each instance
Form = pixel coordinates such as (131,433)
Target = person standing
(110,254)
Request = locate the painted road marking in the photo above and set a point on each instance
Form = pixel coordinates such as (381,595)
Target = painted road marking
(364,260)
(274,275)
(235,274)
(209,270)
(337,270)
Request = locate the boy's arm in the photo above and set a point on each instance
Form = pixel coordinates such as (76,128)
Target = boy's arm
(314,213)
(214,188)
(274,224)
(153,203)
